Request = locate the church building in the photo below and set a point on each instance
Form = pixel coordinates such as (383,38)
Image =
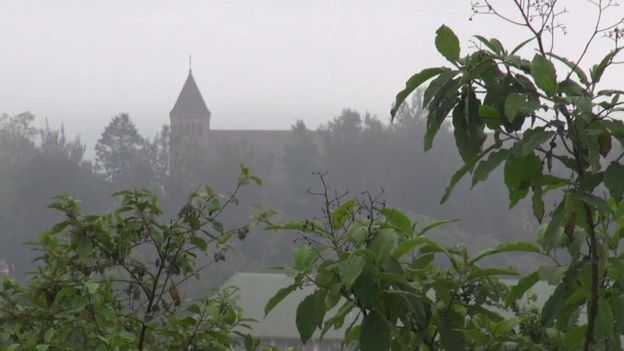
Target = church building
(192,139)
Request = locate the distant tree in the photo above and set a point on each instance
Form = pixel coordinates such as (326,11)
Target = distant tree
(43,162)
(301,157)
(411,113)
(158,154)
(56,144)
(345,127)
(16,138)
(121,153)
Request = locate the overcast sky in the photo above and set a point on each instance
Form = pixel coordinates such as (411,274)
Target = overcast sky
(260,64)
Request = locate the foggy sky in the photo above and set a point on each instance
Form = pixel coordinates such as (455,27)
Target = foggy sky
(260,64)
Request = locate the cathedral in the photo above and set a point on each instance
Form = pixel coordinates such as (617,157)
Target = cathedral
(192,139)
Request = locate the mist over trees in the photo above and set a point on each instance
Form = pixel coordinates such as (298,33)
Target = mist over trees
(358,151)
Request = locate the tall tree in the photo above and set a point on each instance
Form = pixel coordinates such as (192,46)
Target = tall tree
(301,158)
(16,138)
(158,154)
(121,152)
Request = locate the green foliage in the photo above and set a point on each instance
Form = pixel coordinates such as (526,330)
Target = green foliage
(115,281)
(392,287)
(127,159)
(540,111)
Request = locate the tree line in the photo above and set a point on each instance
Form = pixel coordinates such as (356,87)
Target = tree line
(354,149)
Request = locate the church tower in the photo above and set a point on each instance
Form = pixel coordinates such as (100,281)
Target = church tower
(189,121)
(190,116)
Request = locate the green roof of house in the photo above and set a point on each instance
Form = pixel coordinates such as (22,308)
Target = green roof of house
(255,289)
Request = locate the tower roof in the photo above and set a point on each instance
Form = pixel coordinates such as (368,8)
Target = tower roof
(190,103)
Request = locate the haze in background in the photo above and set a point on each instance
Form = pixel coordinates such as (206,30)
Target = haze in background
(260,64)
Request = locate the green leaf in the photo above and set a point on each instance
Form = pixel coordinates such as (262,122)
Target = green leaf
(447,43)
(199,243)
(366,288)
(340,215)
(605,317)
(213,204)
(561,293)
(550,274)
(306,317)
(422,261)
(598,70)
(338,319)
(352,335)
(49,334)
(571,88)
(303,256)
(324,275)
(573,340)
(517,291)
(493,45)
(451,336)
(594,201)
(616,127)
(457,176)
(552,230)
(520,170)
(436,85)
(443,102)
(225,238)
(351,269)
(533,138)
(544,74)
(505,326)
(485,167)
(467,126)
(521,45)
(519,105)
(414,82)
(490,116)
(614,180)
(489,112)
(218,226)
(194,309)
(375,333)
(358,234)
(519,63)
(434,225)
(519,246)
(301,226)
(577,70)
(92,287)
(479,273)
(397,220)
(618,313)
(382,243)
(278,297)
(58,227)
(409,245)
(84,248)
(516,195)
(538,202)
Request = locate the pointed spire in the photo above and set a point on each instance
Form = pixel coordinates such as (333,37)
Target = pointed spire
(190,103)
